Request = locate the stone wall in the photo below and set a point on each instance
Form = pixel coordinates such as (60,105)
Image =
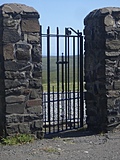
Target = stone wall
(20,71)
(102,68)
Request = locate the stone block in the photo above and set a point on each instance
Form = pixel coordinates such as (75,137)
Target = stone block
(15,108)
(37,67)
(36,74)
(8,52)
(10,22)
(22,55)
(33,94)
(23,51)
(31,117)
(38,124)
(39,134)
(34,110)
(22,90)
(36,54)
(11,35)
(112,54)
(33,38)
(14,66)
(35,83)
(34,102)
(112,94)
(109,20)
(26,25)
(113,45)
(15,99)
(24,128)
(14,118)
(14,75)
(19,9)
(12,129)
(9,84)
(117,85)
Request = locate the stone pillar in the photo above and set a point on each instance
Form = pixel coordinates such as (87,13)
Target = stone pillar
(102,68)
(20,71)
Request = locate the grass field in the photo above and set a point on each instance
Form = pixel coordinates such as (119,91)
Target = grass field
(53,72)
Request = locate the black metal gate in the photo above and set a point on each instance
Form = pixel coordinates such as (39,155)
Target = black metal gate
(63,100)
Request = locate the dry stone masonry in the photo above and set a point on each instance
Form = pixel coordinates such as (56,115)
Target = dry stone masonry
(102,68)
(20,71)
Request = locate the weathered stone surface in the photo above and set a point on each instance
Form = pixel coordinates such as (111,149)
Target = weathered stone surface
(113,45)
(20,70)
(23,51)
(12,23)
(14,66)
(117,85)
(35,102)
(8,52)
(112,54)
(14,118)
(26,25)
(112,94)
(34,94)
(109,20)
(36,74)
(14,75)
(32,117)
(11,35)
(15,83)
(24,128)
(17,91)
(12,129)
(15,108)
(15,99)
(35,83)
(37,67)
(36,54)
(18,8)
(102,26)
(38,123)
(34,110)
(33,38)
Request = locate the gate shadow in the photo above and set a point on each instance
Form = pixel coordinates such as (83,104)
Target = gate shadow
(70,134)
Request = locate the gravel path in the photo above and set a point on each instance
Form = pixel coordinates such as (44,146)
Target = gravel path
(73,145)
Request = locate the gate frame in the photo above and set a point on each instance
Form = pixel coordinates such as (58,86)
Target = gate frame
(68,32)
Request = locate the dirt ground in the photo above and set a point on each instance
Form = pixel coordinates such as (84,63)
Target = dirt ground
(75,145)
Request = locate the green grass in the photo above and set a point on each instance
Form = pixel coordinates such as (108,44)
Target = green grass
(17,139)
(60,87)
(53,73)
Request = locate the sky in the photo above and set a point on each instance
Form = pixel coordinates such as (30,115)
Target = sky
(64,13)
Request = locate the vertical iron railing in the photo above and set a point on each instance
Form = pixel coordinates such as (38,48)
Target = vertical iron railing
(64,106)
(81,82)
(58,110)
(66,77)
(78,74)
(48,74)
